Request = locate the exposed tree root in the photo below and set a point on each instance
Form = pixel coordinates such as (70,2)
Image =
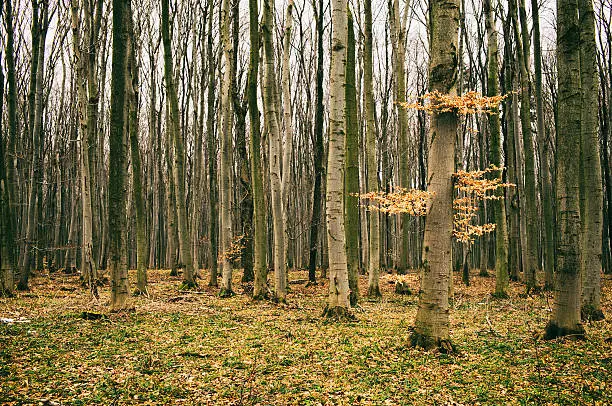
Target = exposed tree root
(429,343)
(338,313)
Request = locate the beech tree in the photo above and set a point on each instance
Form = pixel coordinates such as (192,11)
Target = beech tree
(338,301)
(432,320)
(565,318)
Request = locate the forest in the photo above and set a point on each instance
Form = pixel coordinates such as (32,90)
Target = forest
(323,202)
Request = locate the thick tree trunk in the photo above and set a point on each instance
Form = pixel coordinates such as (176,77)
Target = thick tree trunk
(565,319)
(432,320)
(591,193)
(338,302)
(118,162)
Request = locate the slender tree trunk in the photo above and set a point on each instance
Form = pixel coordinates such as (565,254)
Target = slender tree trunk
(88,263)
(271,116)
(351,168)
(528,199)
(368,89)
(118,162)
(133,86)
(260,288)
(432,320)
(591,193)
(565,318)
(316,219)
(287,145)
(225,235)
(548,244)
(178,168)
(495,154)
(398,35)
(212,155)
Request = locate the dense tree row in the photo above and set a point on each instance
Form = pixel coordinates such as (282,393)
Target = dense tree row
(225,135)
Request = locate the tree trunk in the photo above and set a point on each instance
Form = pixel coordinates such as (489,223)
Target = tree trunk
(432,320)
(528,199)
(565,318)
(591,193)
(118,162)
(133,85)
(495,155)
(316,219)
(260,270)
(351,168)
(212,155)
(178,169)
(368,89)
(338,302)
(225,235)
(271,116)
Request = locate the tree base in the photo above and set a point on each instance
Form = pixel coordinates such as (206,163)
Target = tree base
(353,299)
(341,314)
(484,273)
(590,313)
(500,295)
(188,285)
(23,287)
(429,343)
(225,293)
(311,283)
(374,292)
(553,331)
(174,272)
(140,292)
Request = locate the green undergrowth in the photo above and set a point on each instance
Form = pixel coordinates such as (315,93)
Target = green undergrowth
(193,347)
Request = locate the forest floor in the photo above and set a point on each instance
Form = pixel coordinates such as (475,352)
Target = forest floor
(195,348)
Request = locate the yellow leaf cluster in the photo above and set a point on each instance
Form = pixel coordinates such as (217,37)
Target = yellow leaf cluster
(400,201)
(471,188)
(469,103)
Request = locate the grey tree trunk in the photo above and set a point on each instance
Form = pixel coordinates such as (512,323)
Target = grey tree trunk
(432,320)
(565,318)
